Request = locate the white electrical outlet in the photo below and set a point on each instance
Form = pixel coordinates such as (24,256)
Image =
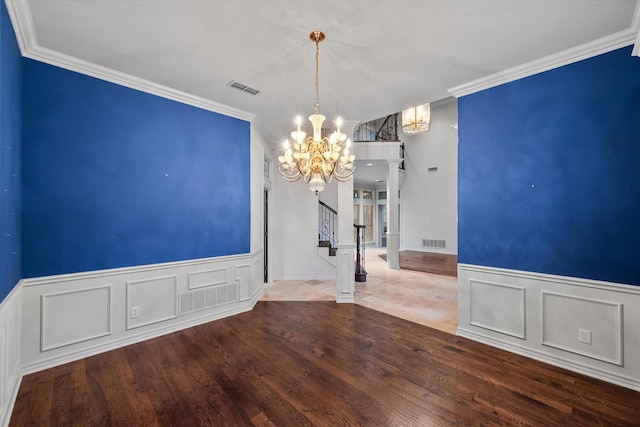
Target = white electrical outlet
(584,336)
(135,311)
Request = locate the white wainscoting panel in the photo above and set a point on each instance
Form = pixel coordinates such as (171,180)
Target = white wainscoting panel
(10,335)
(202,279)
(497,307)
(541,315)
(243,279)
(74,316)
(258,274)
(345,280)
(564,315)
(156,300)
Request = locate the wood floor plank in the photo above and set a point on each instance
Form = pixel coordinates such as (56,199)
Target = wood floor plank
(428,262)
(317,364)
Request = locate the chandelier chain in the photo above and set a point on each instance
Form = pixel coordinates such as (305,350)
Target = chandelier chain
(317,159)
(317,106)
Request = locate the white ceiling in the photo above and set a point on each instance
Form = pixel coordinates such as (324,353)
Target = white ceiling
(379,56)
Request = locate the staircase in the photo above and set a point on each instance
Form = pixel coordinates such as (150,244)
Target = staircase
(327,227)
(382,129)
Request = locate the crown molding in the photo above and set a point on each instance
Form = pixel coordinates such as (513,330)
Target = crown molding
(71,63)
(635,25)
(584,51)
(22,21)
(569,56)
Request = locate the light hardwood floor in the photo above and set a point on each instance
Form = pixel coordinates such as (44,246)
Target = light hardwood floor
(428,299)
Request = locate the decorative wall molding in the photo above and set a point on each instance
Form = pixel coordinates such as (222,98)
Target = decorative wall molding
(587,50)
(166,266)
(345,275)
(22,20)
(243,272)
(74,316)
(155,300)
(160,292)
(202,279)
(258,276)
(603,319)
(507,312)
(555,309)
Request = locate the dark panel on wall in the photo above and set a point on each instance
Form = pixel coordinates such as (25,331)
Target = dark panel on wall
(10,149)
(548,172)
(114,177)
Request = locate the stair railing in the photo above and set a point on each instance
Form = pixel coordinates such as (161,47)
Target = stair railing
(361,273)
(327,226)
(382,129)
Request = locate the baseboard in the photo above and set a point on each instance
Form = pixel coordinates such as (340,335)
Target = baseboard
(542,316)
(347,299)
(73,316)
(136,338)
(429,250)
(580,368)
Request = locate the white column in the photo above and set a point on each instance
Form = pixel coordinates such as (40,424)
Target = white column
(345,262)
(346,253)
(393,233)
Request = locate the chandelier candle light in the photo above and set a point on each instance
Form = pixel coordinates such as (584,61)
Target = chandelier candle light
(316,159)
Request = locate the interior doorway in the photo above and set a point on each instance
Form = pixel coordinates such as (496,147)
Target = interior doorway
(382,225)
(265,252)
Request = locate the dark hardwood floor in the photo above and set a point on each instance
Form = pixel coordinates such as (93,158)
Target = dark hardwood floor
(317,363)
(428,262)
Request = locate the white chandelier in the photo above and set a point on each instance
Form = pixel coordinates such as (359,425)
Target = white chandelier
(316,159)
(416,119)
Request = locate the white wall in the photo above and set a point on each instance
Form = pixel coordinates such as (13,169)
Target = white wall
(329,195)
(293,232)
(257,191)
(429,200)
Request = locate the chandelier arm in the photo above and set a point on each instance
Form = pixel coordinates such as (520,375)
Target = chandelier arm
(317,159)
(288,176)
(344,178)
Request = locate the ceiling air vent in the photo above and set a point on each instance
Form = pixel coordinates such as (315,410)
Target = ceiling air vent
(243,88)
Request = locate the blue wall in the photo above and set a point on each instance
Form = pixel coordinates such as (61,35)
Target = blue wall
(549,172)
(114,177)
(10,149)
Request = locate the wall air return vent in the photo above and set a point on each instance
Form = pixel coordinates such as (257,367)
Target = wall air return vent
(433,243)
(244,88)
